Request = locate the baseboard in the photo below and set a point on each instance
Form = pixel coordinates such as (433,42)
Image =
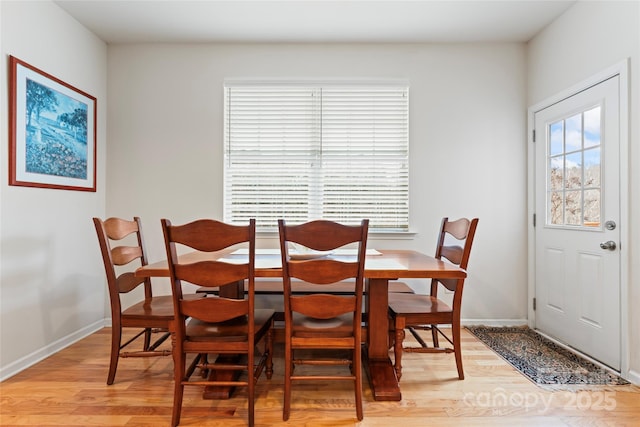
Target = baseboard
(634,377)
(41,354)
(493,322)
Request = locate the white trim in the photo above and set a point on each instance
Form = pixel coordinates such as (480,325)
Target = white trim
(373,235)
(31,359)
(493,322)
(625,329)
(620,69)
(634,377)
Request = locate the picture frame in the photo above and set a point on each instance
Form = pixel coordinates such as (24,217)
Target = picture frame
(52,135)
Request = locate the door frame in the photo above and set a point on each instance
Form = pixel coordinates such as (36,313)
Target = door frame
(620,69)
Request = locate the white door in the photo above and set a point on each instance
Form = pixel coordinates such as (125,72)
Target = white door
(577,231)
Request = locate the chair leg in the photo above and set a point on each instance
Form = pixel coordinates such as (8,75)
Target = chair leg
(457,348)
(204,358)
(391,341)
(116,337)
(179,362)
(250,392)
(147,339)
(286,410)
(269,349)
(397,347)
(357,367)
(434,336)
(177,403)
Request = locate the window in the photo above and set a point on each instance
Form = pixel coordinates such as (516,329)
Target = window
(574,167)
(306,152)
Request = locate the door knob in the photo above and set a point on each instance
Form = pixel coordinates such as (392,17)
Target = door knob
(610,245)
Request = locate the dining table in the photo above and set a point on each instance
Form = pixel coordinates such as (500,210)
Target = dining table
(381,267)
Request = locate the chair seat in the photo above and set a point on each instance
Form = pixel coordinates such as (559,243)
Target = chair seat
(404,304)
(340,326)
(231,330)
(160,307)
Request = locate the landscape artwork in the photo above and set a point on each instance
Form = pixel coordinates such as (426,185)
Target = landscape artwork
(53,138)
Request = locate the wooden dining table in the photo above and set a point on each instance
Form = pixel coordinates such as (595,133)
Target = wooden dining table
(381,266)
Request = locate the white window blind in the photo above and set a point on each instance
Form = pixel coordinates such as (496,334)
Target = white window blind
(309,152)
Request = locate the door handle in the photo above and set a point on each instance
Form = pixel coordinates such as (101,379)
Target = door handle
(610,245)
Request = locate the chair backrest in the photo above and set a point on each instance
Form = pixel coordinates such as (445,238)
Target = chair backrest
(122,247)
(323,235)
(454,245)
(208,235)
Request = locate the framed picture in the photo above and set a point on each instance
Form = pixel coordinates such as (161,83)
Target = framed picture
(52,138)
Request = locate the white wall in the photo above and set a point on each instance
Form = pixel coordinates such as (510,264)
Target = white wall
(52,288)
(467,141)
(587,39)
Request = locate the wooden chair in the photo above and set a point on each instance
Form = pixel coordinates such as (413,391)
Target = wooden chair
(322,321)
(122,248)
(216,325)
(425,312)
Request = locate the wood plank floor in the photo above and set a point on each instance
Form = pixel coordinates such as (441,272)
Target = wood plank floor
(70,389)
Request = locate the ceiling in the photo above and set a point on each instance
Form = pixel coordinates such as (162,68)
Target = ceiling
(314,21)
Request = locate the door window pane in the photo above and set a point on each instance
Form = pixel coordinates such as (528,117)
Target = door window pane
(592,208)
(573,133)
(573,208)
(573,170)
(592,167)
(556,206)
(556,138)
(556,176)
(592,127)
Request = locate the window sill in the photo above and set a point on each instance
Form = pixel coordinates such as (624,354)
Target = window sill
(373,235)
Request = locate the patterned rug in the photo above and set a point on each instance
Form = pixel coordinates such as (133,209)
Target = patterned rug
(542,361)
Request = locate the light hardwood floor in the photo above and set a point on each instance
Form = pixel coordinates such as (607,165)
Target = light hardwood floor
(70,389)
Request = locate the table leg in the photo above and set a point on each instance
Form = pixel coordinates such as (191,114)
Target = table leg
(233,290)
(382,376)
(222,392)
